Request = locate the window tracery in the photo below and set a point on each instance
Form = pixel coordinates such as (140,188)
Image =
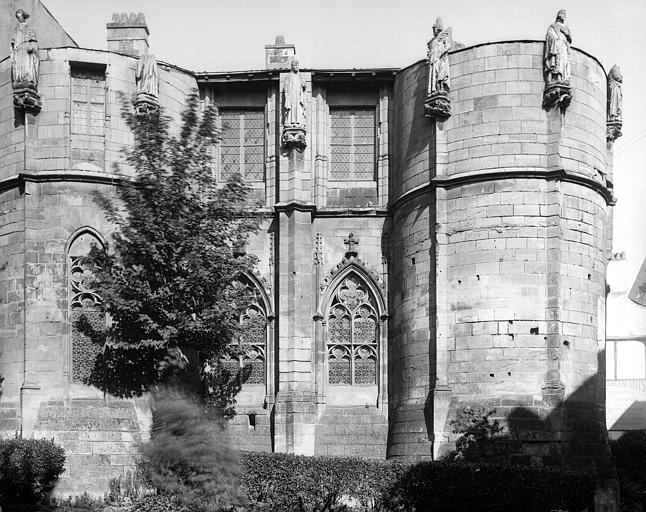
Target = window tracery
(352,335)
(84,301)
(249,351)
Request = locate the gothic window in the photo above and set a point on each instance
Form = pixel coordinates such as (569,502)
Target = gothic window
(352,329)
(249,351)
(88,101)
(352,145)
(84,301)
(242,144)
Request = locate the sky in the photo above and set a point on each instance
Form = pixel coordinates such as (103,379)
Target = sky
(229,35)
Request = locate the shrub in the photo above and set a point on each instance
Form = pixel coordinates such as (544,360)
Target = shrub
(278,482)
(29,469)
(461,487)
(188,457)
(82,503)
(159,504)
(630,455)
(474,427)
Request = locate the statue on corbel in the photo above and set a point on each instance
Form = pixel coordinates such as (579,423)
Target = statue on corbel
(438,103)
(147,80)
(556,65)
(294,104)
(25,65)
(615,103)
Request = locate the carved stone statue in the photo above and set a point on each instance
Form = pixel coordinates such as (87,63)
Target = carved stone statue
(615,103)
(438,59)
(294,105)
(556,64)
(294,97)
(25,64)
(557,51)
(438,104)
(147,78)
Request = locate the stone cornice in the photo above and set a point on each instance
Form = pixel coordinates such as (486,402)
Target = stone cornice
(467,178)
(57,176)
(352,212)
(295,206)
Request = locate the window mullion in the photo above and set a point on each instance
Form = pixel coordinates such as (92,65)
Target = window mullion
(241,154)
(352,144)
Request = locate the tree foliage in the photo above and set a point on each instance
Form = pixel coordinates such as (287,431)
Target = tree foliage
(170,279)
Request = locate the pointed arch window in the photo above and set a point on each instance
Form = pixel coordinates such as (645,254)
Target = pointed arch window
(249,351)
(352,335)
(84,302)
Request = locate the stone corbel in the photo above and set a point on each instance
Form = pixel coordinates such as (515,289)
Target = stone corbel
(26,98)
(557,95)
(613,129)
(145,104)
(438,106)
(294,137)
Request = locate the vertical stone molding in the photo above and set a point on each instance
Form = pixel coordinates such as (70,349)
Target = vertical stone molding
(556,65)
(128,33)
(25,64)
(615,103)
(438,103)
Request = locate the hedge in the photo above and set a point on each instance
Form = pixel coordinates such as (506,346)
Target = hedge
(279,482)
(29,469)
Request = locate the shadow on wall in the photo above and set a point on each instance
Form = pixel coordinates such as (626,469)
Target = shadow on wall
(545,432)
(634,415)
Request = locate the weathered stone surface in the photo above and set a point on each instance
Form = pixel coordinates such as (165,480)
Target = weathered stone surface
(482,255)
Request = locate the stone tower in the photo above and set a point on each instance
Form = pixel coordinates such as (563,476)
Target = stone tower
(500,235)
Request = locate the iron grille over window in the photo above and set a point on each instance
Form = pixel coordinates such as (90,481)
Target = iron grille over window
(352,144)
(242,145)
(88,102)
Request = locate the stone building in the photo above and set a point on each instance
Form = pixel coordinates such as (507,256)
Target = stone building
(409,266)
(625,348)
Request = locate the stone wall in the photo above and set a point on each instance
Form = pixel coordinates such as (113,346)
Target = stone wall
(519,257)
(44,211)
(483,251)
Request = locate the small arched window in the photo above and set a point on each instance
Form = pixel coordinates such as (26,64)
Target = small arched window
(352,335)
(84,301)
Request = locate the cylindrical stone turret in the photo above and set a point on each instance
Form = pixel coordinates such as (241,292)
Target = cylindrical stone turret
(499,219)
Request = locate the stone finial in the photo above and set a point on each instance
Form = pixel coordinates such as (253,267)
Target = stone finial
(352,241)
(280,54)
(128,33)
(615,103)
(438,104)
(556,64)
(25,65)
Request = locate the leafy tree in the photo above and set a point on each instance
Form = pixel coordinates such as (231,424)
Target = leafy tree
(170,281)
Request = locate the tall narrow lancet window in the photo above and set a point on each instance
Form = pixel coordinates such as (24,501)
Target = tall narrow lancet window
(352,335)
(84,301)
(249,351)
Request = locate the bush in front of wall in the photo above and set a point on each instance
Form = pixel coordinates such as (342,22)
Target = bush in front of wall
(29,469)
(291,483)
